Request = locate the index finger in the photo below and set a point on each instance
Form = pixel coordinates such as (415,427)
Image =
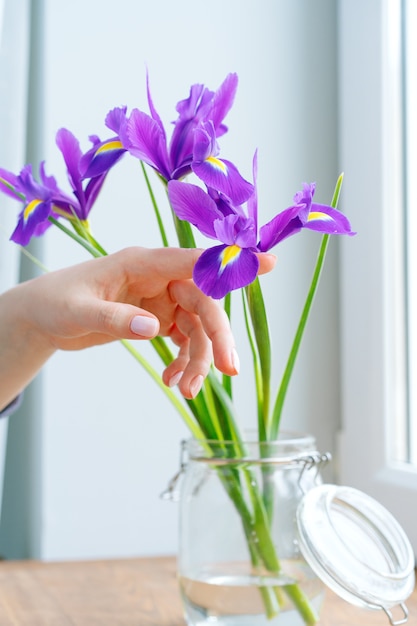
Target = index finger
(178,263)
(169,263)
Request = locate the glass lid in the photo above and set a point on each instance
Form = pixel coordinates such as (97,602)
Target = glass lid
(356,547)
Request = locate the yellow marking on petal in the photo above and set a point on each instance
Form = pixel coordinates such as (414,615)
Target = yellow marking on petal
(217,163)
(318,215)
(230,254)
(30,208)
(110,145)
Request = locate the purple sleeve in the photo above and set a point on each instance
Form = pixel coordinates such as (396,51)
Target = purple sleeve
(12,407)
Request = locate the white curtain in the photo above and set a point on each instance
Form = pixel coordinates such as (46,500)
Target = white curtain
(14,22)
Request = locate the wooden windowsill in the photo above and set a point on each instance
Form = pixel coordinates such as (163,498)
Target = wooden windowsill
(124,592)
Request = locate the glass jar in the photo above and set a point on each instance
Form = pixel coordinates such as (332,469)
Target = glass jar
(239,559)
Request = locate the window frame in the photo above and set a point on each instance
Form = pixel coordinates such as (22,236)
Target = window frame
(373,315)
(410,150)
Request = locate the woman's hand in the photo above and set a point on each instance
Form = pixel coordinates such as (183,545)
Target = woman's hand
(136,293)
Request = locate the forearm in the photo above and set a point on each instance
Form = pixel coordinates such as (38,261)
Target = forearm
(23,349)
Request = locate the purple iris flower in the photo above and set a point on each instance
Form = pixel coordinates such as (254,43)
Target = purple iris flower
(39,200)
(303,214)
(217,173)
(193,145)
(234,263)
(43,199)
(104,154)
(77,167)
(201,105)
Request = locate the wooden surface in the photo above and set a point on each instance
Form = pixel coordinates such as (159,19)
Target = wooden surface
(127,592)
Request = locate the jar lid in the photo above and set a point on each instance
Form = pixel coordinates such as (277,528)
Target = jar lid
(356,547)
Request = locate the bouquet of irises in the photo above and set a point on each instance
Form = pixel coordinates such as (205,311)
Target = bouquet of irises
(205,192)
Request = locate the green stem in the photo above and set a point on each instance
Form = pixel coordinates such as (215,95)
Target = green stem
(260,544)
(262,431)
(155,207)
(256,307)
(183,228)
(95,252)
(227,380)
(229,476)
(11,188)
(207,392)
(300,600)
(184,233)
(203,407)
(269,556)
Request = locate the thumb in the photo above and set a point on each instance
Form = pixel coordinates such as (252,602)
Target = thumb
(144,325)
(266,262)
(124,321)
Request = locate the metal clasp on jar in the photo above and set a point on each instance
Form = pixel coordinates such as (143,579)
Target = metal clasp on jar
(316,460)
(172,493)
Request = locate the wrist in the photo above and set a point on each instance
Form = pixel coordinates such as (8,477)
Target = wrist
(23,346)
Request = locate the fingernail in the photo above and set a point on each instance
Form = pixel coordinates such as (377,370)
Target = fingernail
(175,379)
(144,326)
(196,384)
(235,361)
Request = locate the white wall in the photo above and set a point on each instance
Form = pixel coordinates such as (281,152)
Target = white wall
(108,441)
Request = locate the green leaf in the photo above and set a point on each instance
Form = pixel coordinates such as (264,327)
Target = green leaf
(282,391)
(155,206)
(227,380)
(258,316)
(184,233)
(262,432)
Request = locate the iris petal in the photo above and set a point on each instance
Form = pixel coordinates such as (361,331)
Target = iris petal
(325,219)
(71,151)
(283,225)
(190,111)
(9,184)
(147,141)
(222,269)
(116,118)
(224,177)
(222,102)
(33,214)
(30,209)
(192,204)
(154,112)
(201,105)
(30,187)
(217,173)
(70,148)
(101,158)
(92,190)
(236,229)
